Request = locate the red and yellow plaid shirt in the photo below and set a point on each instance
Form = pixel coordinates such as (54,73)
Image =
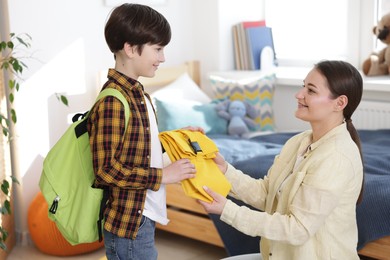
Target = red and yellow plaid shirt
(123,167)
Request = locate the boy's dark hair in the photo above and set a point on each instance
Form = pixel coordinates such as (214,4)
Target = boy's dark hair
(136,25)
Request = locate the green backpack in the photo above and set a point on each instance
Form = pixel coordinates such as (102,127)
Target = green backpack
(67,178)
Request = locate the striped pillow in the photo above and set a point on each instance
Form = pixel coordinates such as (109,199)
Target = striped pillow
(257,91)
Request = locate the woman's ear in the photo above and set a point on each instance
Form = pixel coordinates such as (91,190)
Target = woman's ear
(342,102)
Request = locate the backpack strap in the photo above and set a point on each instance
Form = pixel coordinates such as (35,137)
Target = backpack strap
(81,128)
(116,93)
(103,204)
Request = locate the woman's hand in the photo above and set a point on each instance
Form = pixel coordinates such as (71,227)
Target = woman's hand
(220,162)
(177,171)
(217,205)
(194,129)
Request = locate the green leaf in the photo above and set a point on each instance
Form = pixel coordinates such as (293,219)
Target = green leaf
(10,44)
(13,115)
(5,65)
(11,97)
(4,234)
(3,45)
(5,187)
(64,100)
(5,131)
(11,84)
(23,42)
(14,180)
(7,206)
(16,66)
(6,183)
(23,64)
(2,245)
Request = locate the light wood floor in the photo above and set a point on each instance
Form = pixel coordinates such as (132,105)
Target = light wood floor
(169,247)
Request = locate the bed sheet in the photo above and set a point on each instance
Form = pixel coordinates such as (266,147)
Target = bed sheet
(255,155)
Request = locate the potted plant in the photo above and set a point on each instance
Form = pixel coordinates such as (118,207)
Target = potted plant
(12,54)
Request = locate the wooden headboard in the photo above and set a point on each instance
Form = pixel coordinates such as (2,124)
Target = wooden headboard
(166,75)
(163,76)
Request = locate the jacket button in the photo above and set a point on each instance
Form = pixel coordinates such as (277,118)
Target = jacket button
(270,254)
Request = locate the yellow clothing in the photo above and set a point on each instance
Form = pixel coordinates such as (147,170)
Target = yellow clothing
(200,150)
(309,212)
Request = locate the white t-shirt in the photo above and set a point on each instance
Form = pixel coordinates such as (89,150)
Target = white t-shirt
(155,204)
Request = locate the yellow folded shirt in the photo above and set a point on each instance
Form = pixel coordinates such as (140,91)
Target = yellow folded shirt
(200,150)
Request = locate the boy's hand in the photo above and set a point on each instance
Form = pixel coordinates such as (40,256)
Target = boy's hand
(217,205)
(177,171)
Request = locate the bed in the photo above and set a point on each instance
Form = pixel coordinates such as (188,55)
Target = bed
(180,102)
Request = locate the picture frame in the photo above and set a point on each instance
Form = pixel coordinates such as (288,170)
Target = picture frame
(145,2)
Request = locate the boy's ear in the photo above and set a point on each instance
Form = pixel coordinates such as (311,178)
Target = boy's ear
(129,50)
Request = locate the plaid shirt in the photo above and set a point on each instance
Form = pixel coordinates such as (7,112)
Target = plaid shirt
(124,167)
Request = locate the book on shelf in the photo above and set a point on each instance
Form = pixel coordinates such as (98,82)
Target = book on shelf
(257,39)
(248,43)
(248,24)
(237,53)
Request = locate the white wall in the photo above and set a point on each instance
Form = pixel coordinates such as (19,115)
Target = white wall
(69,51)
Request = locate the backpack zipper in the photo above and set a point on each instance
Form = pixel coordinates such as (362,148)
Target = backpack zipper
(54,205)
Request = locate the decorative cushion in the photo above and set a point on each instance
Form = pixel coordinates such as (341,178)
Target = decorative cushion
(46,236)
(180,113)
(257,90)
(182,88)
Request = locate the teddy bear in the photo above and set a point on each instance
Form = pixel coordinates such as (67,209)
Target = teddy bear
(379,62)
(240,116)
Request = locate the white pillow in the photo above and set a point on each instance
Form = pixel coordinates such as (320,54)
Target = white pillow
(182,88)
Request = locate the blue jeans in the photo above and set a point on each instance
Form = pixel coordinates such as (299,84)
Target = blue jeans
(142,248)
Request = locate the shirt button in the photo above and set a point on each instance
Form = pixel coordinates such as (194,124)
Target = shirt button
(147,129)
(148,156)
(139,211)
(270,254)
(142,102)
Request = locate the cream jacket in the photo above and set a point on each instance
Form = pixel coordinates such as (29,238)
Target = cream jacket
(306,213)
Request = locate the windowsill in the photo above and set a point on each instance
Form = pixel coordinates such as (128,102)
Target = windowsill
(295,75)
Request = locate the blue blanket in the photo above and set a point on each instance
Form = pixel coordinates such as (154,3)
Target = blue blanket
(255,156)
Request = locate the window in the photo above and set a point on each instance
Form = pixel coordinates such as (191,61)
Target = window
(306,31)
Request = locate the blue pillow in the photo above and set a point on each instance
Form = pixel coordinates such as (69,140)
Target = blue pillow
(182,113)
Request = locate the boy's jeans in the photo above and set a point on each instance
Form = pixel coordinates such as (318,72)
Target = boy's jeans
(127,249)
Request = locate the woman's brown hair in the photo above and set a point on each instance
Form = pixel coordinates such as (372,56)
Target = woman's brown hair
(345,79)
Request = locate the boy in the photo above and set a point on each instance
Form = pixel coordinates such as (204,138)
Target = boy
(133,170)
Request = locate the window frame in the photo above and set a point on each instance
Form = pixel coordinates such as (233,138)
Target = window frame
(361,17)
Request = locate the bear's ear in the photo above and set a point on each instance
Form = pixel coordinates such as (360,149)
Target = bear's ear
(223,106)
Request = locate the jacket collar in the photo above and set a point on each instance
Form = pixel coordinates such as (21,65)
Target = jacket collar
(341,129)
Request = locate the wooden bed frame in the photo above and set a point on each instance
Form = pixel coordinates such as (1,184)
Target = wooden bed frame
(187,217)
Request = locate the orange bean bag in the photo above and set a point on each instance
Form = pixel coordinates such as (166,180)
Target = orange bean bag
(47,237)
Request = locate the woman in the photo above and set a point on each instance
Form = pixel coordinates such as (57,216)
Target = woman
(308,198)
